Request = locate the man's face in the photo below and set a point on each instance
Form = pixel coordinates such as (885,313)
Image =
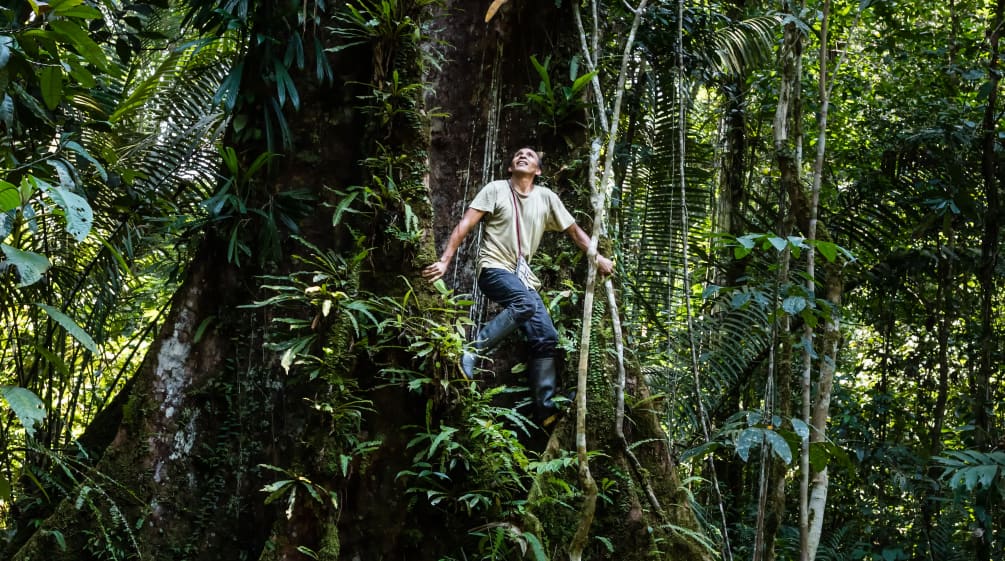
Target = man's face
(525,161)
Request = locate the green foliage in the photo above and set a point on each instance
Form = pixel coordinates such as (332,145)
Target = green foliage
(26,405)
(325,292)
(475,467)
(113,534)
(387,26)
(281,41)
(289,486)
(972,470)
(558,106)
(104,135)
(502,541)
(254,219)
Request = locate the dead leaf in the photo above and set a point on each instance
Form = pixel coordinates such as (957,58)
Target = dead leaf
(493,9)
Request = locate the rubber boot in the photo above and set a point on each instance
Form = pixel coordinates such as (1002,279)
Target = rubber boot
(542,379)
(494,331)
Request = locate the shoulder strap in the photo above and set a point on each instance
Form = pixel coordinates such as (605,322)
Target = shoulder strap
(516,214)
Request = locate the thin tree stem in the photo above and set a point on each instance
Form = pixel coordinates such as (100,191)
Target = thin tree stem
(598,195)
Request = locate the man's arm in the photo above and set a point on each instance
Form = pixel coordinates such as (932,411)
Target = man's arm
(435,271)
(604,265)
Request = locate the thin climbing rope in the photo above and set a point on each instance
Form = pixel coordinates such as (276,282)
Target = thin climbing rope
(477,311)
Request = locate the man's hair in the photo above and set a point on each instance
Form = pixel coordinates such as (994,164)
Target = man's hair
(540,156)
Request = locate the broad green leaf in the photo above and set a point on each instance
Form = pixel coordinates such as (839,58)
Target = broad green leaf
(31,103)
(37,6)
(59,538)
(779,446)
(55,360)
(7,111)
(801,428)
(710,291)
(748,439)
(809,317)
(739,299)
(6,223)
(793,305)
(26,405)
(10,196)
(307,551)
(74,9)
(828,250)
(699,451)
(51,82)
(749,240)
(71,327)
(778,243)
(582,81)
(542,71)
(81,74)
(27,187)
(63,173)
(83,12)
(81,41)
(286,86)
(824,453)
(537,549)
(277,489)
(60,6)
(83,153)
(229,88)
(79,215)
(30,265)
(5,44)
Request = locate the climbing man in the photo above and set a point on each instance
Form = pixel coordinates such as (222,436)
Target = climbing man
(517,213)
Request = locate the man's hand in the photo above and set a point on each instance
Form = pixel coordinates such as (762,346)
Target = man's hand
(604,265)
(435,272)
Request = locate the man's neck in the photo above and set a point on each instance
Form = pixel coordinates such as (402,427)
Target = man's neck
(522,183)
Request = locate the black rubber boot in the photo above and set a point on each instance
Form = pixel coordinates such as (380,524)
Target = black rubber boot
(494,331)
(542,379)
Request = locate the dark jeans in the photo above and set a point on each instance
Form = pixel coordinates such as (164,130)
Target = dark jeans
(504,288)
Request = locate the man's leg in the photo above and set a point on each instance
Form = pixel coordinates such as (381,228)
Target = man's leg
(526,310)
(542,375)
(506,289)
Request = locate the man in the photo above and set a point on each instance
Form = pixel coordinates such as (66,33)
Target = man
(538,209)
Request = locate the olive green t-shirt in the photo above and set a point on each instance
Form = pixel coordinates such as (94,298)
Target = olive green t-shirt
(540,210)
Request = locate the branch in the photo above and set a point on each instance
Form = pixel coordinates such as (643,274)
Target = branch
(598,193)
(619,412)
(591,66)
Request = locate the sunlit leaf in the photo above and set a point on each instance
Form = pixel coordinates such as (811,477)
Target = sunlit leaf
(71,327)
(10,196)
(30,265)
(26,405)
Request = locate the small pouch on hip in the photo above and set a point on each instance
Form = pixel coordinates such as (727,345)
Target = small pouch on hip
(524,274)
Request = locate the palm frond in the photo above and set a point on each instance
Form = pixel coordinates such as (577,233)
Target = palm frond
(742,45)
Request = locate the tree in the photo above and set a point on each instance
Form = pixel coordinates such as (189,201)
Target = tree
(302,356)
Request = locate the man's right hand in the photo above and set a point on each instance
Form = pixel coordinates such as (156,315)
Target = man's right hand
(435,272)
